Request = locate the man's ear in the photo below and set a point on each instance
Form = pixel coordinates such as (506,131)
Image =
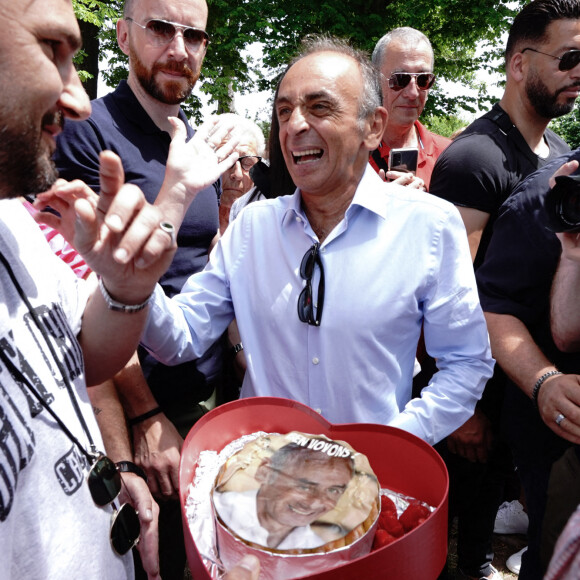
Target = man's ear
(123,35)
(375,126)
(517,66)
(263,471)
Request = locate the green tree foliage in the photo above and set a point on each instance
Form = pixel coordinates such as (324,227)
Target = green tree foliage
(92,16)
(455,28)
(445,125)
(568,127)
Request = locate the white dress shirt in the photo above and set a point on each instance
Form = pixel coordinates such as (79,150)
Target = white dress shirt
(398,259)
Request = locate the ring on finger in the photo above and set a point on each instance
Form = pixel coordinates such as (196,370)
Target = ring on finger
(169,229)
(559,419)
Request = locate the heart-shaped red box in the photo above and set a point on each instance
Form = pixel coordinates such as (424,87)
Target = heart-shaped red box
(402,462)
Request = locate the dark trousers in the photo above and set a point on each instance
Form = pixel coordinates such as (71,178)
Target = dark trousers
(563,497)
(475,492)
(534,448)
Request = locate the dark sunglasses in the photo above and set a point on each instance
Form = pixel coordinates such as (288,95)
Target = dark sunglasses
(162,32)
(568,60)
(104,480)
(399,80)
(248,161)
(305,303)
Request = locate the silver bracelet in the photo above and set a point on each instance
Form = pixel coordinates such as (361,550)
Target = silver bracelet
(112,304)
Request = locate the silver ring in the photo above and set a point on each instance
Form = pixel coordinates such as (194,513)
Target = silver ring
(559,419)
(169,229)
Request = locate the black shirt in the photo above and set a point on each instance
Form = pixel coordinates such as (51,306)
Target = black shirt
(485,164)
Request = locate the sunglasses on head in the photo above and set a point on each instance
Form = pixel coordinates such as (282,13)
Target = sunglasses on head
(568,60)
(399,80)
(162,32)
(305,302)
(104,481)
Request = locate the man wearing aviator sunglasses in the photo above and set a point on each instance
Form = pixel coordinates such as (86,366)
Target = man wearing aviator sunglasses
(166,42)
(405,58)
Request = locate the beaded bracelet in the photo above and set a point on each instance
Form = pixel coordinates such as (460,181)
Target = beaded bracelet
(539,383)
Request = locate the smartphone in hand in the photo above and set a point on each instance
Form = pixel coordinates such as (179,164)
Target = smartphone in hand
(404,159)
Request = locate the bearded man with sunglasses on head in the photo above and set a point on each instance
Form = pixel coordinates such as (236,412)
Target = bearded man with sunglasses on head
(166,43)
(405,59)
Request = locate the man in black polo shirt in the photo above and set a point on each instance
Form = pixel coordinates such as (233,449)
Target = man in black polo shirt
(477,173)
(166,44)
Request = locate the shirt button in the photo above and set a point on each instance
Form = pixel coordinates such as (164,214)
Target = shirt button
(298,219)
(323,250)
(315,360)
(319,411)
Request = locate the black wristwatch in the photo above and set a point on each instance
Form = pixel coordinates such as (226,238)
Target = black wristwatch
(130,467)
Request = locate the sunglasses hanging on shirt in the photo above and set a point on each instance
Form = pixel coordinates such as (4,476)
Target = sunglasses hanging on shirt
(306,305)
(104,478)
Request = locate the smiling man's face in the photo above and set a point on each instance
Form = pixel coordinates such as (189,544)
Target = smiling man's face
(300,492)
(40,88)
(321,136)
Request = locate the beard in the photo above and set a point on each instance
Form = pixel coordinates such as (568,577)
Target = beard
(26,163)
(544,102)
(169,93)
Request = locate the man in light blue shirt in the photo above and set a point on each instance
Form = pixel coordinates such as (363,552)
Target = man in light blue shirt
(330,286)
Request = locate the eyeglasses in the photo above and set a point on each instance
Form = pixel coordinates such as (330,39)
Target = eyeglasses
(104,481)
(399,80)
(568,60)
(248,161)
(310,488)
(162,32)
(305,303)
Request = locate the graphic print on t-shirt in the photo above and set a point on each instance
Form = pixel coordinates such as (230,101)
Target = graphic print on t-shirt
(17,435)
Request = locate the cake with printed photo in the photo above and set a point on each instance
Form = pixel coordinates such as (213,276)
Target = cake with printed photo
(297,493)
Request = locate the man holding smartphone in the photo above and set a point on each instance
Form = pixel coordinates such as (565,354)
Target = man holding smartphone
(408,151)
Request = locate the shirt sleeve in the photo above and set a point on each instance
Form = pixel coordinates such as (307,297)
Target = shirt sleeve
(516,275)
(456,336)
(77,153)
(470,173)
(182,328)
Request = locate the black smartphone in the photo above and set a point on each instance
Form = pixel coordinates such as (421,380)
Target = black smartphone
(404,159)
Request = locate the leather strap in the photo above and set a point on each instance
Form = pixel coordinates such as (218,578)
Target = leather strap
(130,467)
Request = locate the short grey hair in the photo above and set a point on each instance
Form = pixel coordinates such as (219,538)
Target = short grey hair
(295,453)
(405,35)
(127,8)
(248,127)
(371,95)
